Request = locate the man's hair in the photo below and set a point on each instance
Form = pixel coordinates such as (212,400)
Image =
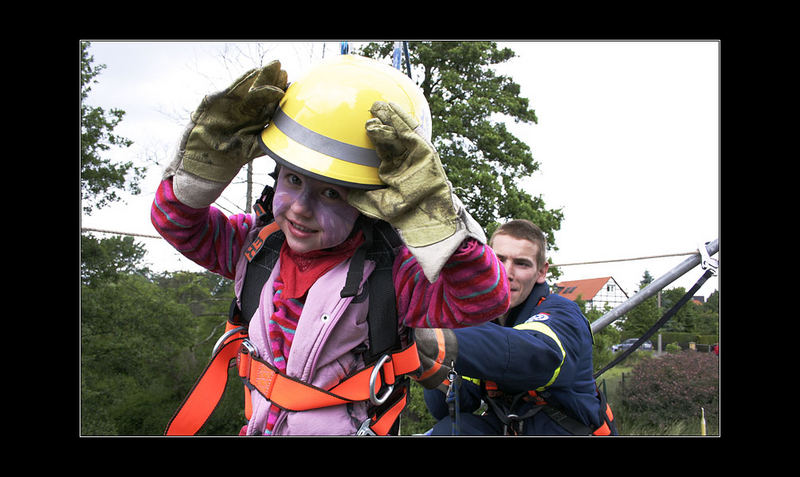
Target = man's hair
(522,229)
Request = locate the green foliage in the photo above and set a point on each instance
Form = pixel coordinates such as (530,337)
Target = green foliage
(603,339)
(415,418)
(145,340)
(673,348)
(672,388)
(100,177)
(640,319)
(131,334)
(105,259)
(601,350)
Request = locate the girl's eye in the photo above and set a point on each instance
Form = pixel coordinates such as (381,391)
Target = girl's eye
(330,194)
(293,179)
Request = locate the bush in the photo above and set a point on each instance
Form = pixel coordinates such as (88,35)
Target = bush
(673,348)
(672,389)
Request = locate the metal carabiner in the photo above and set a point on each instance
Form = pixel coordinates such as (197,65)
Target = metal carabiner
(224,338)
(373,376)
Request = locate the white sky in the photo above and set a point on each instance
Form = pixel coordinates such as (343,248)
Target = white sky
(627,140)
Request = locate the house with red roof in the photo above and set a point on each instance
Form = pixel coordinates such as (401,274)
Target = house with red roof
(596,292)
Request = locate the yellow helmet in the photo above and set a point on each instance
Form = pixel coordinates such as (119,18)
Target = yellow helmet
(319,130)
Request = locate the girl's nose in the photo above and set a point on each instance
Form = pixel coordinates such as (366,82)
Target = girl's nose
(302,205)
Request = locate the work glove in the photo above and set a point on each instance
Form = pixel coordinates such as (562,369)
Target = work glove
(418,200)
(437,349)
(223,135)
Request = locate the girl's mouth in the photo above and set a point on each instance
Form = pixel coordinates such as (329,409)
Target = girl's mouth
(300,228)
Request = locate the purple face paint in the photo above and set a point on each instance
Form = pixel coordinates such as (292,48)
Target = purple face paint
(312,214)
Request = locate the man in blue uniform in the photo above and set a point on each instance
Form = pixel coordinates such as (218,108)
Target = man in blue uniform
(533,366)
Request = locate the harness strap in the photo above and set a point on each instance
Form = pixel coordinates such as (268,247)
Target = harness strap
(267,247)
(512,423)
(382,421)
(291,394)
(284,391)
(203,398)
(505,414)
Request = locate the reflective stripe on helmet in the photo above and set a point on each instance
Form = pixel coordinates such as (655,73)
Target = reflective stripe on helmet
(325,145)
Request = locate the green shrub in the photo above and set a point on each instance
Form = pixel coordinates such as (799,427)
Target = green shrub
(671,389)
(673,348)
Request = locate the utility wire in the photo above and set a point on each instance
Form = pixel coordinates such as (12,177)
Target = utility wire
(626,259)
(88,229)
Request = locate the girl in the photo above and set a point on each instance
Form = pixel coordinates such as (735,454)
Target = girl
(347,142)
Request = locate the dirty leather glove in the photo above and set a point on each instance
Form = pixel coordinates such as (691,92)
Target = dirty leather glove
(223,135)
(437,349)
(418,199)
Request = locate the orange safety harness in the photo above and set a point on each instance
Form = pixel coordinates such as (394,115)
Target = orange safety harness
(290,393)
(382,382)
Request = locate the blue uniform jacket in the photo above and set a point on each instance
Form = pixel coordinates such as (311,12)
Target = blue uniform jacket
(545,344)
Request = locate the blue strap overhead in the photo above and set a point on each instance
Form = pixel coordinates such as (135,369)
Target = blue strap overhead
(397,55)
(344,47)
(400,49)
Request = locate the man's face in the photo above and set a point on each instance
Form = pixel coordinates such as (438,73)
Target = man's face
(519,258)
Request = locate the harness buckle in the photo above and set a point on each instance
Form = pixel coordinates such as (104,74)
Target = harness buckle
(515,424)
(365,430)
(247,351)
(378,400)
(250,348)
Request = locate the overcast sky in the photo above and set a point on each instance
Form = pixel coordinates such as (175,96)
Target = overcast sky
(627,139)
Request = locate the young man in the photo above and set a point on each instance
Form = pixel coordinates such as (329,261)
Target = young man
(532,366)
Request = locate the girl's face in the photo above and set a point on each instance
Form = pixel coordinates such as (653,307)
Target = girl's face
(312,214)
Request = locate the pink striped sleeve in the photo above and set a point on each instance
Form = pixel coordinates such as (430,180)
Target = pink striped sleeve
(471,289)
(205,236)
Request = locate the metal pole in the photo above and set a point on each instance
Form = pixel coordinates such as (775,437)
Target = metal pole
(653,288)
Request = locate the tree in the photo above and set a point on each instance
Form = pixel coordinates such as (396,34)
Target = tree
(135,364)
(144,342)
(707,322)
(100,177)
(469,103)
(105,259)
(642,317)
(646,279)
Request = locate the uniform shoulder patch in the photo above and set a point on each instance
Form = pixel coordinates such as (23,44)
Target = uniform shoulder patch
(539,317)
